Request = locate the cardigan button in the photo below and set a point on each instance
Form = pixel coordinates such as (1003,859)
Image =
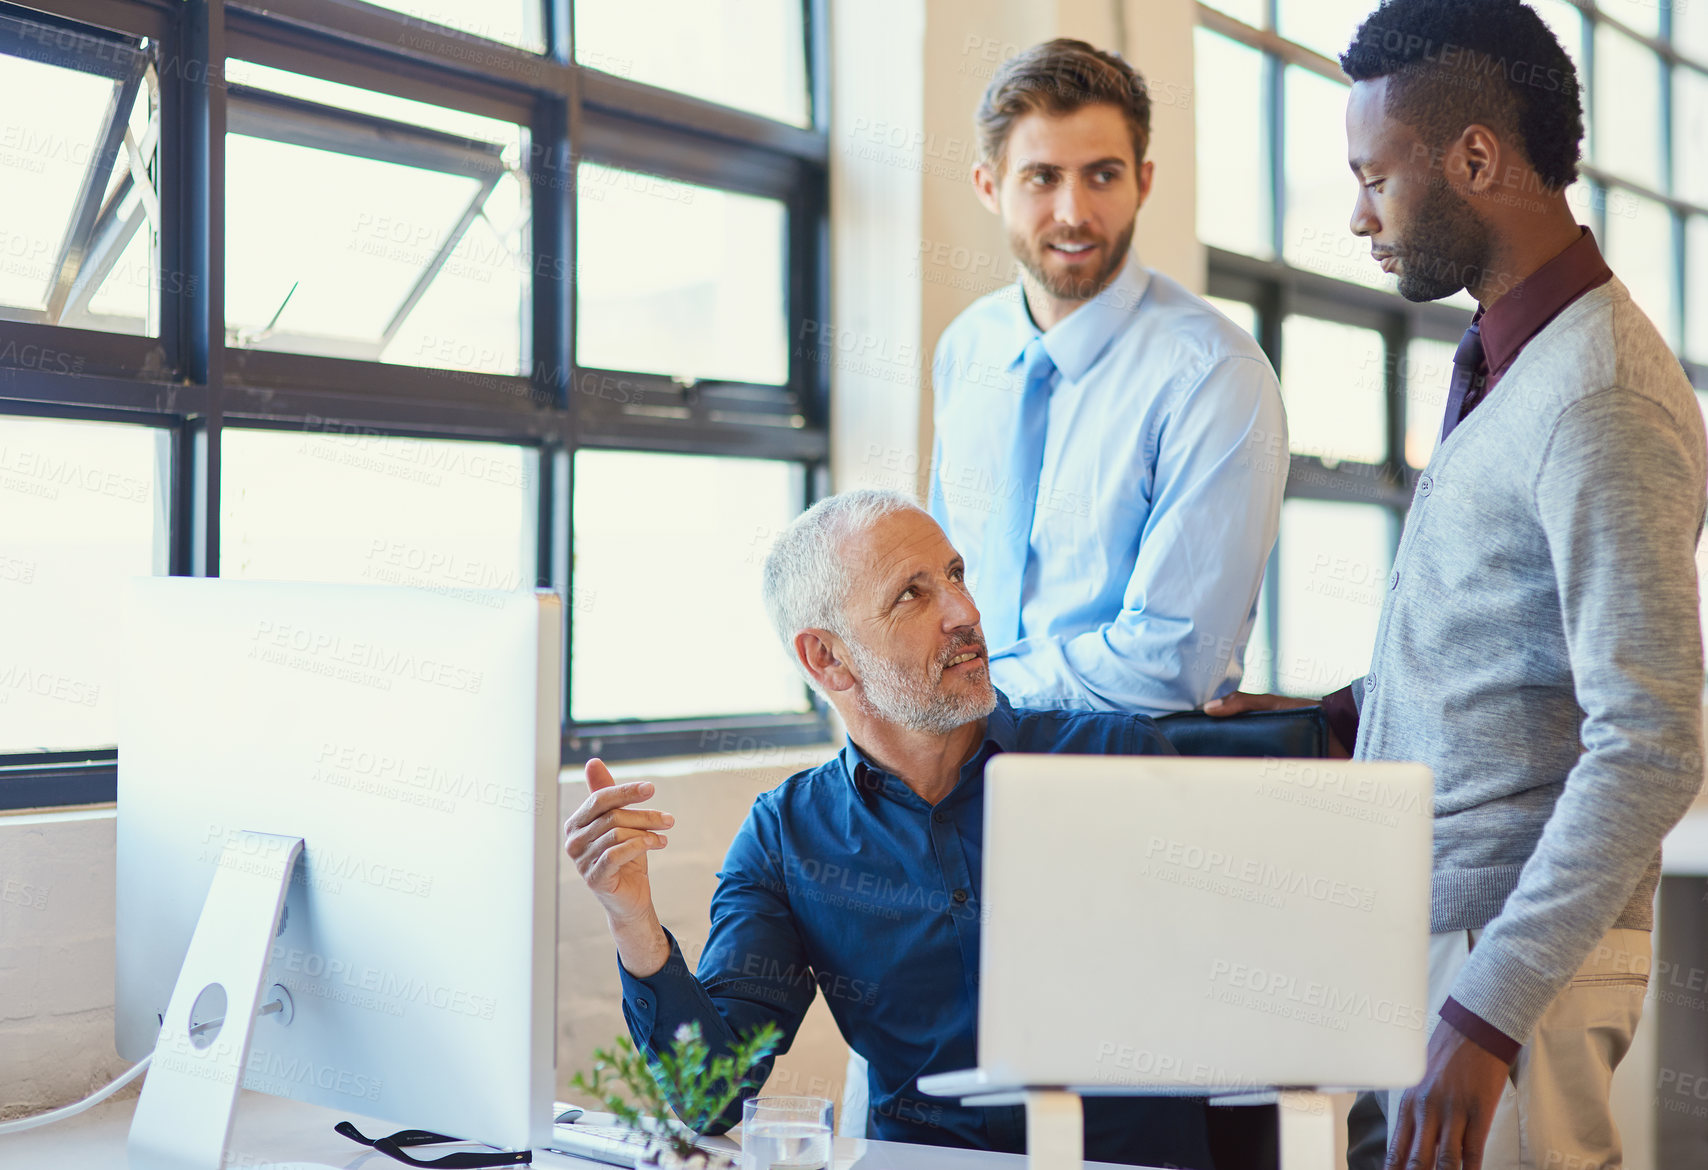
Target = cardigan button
(1425,486)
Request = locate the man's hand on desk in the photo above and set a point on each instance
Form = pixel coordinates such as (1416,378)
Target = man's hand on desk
(608,841)
(1240,702)
(1444,1120)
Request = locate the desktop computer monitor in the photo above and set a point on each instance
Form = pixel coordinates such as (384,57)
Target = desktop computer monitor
(411,740)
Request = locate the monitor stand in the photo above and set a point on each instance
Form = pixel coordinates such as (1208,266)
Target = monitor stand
(1307,1130)
(1055,1128)
(183,1119)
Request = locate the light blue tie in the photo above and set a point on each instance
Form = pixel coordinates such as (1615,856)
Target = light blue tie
(1008,532)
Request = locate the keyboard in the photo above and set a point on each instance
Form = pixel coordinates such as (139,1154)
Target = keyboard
(611,1144)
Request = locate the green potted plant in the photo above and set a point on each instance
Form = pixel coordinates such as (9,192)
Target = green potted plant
(684,1078)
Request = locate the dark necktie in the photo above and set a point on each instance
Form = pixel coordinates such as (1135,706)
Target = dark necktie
(1466,392)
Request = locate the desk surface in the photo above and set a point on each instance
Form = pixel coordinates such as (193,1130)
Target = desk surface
(273,1129)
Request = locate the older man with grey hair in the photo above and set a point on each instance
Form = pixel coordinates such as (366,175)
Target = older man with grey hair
(860,878)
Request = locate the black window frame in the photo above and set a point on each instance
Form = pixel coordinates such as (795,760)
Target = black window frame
(1277,289)
(188,379)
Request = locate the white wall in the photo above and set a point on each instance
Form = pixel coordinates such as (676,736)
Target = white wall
(56,958)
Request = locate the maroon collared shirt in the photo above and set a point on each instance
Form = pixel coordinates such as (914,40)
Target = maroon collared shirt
(1507,327)
(1525,311)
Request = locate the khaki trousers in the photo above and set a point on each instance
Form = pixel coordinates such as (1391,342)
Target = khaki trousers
(1555,1113)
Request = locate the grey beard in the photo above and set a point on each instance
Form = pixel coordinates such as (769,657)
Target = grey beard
(918,704)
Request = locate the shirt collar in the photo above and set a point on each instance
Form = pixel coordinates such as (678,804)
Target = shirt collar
(1080,338)
(1537,299)
(1000,735)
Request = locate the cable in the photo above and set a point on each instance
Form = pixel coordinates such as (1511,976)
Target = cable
(72,1110)
(100,1095)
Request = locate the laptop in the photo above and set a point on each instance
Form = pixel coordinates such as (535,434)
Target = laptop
(1214,927)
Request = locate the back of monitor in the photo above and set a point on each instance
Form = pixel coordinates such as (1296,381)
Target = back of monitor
(1204,925)
(411,740)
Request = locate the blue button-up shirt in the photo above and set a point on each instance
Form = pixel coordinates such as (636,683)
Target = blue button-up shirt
(1159,498)
(844,881)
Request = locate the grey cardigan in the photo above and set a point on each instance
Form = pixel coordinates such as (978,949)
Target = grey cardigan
(1540,649)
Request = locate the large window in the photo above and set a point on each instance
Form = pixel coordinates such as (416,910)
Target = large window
(1365,373)
(435,294)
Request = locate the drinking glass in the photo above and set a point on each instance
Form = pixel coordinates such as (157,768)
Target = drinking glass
(785,1133)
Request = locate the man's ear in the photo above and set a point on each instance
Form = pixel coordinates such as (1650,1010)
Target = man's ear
(1146,174)
(825,660)
(1478,151)
(985,186)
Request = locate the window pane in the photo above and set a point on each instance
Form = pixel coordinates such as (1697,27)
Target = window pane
(1259,678)
(1324,25)
(1333,380)
(750,54)
(81,511)
(79,132)
(339,96)
(1234,204)
(1640,250)
(1428,378)
(1335,560)
(1239,312)
(1690,135)
(678,279)
(1690,30)
(1320,188)
(1250,11)
(514,22)
(1627,96)
(668,552)
(1696,283)
(343,503)
(1642,16)
(383,241)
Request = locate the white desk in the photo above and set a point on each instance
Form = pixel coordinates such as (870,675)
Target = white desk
(273,1129)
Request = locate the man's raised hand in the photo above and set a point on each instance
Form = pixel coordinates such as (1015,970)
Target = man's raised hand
(608,841)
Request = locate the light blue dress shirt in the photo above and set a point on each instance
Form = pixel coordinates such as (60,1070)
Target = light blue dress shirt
(1159,498)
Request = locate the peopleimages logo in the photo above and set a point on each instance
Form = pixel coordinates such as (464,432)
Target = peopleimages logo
(1308,1000)
(347,766)
(1265,878)
(361,660)
(387,985)
(273,1071)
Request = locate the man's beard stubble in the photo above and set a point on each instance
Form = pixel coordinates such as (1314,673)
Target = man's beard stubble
(1454,252)
(918,703)
(1067,287)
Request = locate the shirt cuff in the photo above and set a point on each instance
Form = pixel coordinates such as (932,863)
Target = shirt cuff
(642,998)
(1340,710)
(1479,1031)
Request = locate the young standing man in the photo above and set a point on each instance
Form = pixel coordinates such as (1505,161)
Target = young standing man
(1539,647)
(1111,451)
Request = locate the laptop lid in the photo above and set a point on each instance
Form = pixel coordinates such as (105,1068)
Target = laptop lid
(1213,924)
